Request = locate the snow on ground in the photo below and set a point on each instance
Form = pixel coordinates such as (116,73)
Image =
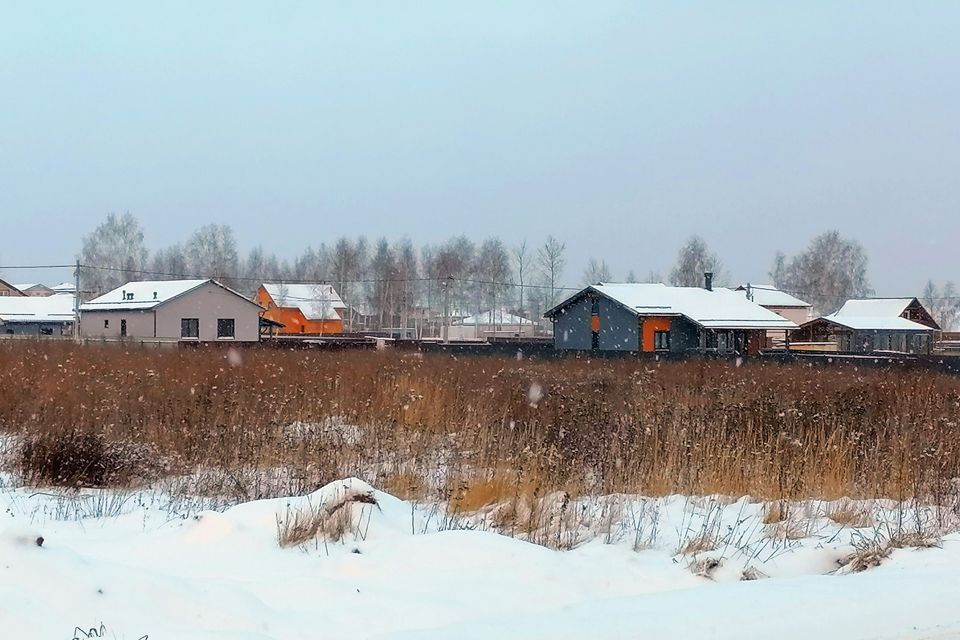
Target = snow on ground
(144,566)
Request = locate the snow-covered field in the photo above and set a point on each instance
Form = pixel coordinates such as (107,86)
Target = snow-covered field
(141,564)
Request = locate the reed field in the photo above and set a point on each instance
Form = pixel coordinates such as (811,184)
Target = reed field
(472,431)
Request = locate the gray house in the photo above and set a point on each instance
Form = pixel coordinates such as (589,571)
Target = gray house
(175,310)
(36,316)
(878,325)
(658,318)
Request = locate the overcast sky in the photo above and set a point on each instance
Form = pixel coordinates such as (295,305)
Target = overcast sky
(621,128)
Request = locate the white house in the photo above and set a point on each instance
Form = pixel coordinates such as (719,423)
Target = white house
(182,310)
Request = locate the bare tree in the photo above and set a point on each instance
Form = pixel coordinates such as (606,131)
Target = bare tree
(348,265)
(551,260)
(693,260)
(114,253)
(169,263)
(631,276)
(521,258)
(830,271)
(212,253)
(407,274)
(493,267)
(383,272)
(596,272)
(943,305)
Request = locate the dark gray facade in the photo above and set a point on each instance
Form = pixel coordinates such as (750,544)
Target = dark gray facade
(571,327)
(39,329)
(865,341)
(619,329)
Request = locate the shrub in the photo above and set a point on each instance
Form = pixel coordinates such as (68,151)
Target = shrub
(80,459)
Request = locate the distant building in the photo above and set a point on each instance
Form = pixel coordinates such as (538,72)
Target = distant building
(303,308)
(897,325)
(36,316)
(64,287)
(35,290)
(183,310)
(491,324)
(659,318)
(780,302)
(8,290)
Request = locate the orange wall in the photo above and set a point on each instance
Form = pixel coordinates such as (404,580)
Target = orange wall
(293,319)
(650,325)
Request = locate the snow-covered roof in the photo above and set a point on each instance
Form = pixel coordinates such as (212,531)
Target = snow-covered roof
(147,294)
(716,309)
(30,285)
(315,301)
(36,309)
(875,307)
(64,287)
(868,323)
(498,317)
(767,295)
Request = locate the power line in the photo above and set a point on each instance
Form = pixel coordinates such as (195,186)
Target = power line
(333,280)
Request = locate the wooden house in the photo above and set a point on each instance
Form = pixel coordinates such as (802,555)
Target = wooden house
(878,325)
(314,309)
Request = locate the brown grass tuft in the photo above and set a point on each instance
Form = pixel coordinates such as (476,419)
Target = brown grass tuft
(79,459)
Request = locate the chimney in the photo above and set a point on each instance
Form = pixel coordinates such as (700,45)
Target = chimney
(154,295)
(708,280)
(123,294)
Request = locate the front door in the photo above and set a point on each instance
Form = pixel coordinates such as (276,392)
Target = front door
(123,328)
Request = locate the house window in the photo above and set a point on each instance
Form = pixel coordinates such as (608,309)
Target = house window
(189,327)
(661,340)
(123,328)
(46,331)
(106,324)
(225,328)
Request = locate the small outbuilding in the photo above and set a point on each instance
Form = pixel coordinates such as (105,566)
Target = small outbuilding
(176,310)
(303,308)
(48,316)
(659,318)
(493,323)
(877,325)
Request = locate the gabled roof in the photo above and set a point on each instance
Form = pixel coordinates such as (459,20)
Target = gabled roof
(315,301)
(491,317)
(32,285)
(149,294)
(716,309)
(12,286)
(65,287)
(870,323)
(767,295)
(879,314)
(875,307)
(15,309)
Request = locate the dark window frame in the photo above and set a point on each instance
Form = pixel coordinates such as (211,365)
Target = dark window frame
(661,340)
(186,324)
(222,325)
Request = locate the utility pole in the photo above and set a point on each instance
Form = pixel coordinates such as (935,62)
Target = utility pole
(76,302)
(446,309)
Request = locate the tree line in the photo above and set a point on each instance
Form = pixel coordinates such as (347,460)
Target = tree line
(391,282)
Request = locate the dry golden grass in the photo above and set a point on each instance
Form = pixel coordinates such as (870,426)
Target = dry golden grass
(406,484)
(775,512)
(330,521)
(464,430)
(848,513)
(698,544)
